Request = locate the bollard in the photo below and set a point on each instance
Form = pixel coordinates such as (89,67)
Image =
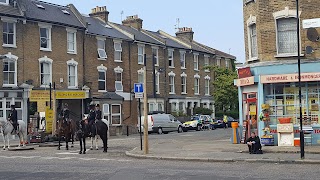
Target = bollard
(127,130)
(235,134)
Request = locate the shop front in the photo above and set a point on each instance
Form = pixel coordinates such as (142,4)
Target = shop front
(276,99)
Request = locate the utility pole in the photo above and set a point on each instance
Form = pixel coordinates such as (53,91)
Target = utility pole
(299,74)
(145,107)
(154,75)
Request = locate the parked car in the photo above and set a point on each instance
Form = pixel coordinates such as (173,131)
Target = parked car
(197,122)
(161,123)
(218,123)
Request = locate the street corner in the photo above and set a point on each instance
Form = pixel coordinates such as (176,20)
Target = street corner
(21,148)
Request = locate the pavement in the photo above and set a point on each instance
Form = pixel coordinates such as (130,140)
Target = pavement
(191,147)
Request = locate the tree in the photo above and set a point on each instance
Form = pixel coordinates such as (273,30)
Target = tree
(225,93)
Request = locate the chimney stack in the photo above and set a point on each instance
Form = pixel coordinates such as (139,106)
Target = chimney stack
(100,12)
(185,33)
(133,21)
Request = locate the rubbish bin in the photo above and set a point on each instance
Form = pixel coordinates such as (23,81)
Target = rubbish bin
(235,139)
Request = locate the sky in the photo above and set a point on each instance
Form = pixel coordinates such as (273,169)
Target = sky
(216,23)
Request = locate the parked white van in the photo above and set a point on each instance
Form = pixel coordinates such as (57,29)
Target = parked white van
(161,123)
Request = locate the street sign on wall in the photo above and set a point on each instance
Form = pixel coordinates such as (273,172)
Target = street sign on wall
(311,23)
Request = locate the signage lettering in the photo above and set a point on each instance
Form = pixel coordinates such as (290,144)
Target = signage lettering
(279,78)
(245,81)
(44,95)
(316,131)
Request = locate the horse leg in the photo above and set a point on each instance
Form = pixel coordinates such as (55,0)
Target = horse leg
(4,141)
(8,142)
(72,139)
(97,144)
(80,152)
(84,145)
(67,137)
(91,147)
(59,140)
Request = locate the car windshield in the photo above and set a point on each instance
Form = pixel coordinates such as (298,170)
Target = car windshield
(195,118)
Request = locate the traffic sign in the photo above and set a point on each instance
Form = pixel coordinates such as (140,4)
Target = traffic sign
(138,95)
(138,87)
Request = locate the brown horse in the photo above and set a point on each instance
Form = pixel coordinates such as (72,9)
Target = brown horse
(67,129)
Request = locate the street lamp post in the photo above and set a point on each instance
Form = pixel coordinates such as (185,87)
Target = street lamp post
(299,75)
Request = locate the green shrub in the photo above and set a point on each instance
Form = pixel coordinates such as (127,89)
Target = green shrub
(234,114)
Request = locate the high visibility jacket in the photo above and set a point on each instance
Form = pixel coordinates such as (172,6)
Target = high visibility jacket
(225,119)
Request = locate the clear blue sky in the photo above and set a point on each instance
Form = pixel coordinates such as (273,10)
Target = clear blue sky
(216,23)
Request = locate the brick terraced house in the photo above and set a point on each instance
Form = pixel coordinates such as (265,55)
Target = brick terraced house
(90,59)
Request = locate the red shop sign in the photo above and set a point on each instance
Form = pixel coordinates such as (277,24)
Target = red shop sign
(316,131)
(244,72)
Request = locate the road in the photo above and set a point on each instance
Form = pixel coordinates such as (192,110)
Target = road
(48,163)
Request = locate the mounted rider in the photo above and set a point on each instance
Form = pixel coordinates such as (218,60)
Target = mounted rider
(65,113)
(98,112)
(13,116)
(91,118)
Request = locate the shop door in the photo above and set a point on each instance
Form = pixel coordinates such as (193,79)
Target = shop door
(251,112)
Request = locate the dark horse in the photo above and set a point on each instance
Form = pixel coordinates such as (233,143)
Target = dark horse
(100,128)
(67,129)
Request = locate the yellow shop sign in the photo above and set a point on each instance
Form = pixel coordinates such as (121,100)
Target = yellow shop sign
(44,95)
(70,95)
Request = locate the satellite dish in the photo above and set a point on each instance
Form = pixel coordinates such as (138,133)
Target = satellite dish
(309,50)
(313,35)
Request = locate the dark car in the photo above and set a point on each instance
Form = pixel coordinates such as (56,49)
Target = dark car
(218,123)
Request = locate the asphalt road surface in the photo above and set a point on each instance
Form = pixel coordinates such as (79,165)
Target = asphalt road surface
(47,163)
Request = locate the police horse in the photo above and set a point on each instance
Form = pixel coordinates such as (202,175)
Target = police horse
(66,128)
(7,129)
(100,128)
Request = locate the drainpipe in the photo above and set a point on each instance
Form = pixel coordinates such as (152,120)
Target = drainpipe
(83,68)
(165,80)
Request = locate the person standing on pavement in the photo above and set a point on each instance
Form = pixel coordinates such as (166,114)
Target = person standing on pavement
(225,121)
(13,116)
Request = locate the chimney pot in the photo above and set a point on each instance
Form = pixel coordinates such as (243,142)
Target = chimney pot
(100,12)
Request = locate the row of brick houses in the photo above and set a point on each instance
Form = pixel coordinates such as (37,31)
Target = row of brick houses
(89,58)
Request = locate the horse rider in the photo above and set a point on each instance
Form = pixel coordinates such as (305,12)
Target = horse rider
(98,112)
(91,118)
(13,116)
(65,113)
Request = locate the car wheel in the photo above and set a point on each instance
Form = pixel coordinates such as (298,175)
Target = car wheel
(160,131)
(198,128)
(180,130)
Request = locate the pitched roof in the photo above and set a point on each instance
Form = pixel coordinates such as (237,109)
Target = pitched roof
(10,10)
(98,27)
(51,13)
(168,42)
(139,35)
(220,53)
(110,95)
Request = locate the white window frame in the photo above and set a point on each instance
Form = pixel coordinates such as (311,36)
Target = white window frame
(156,49)
(157,82)
(154,106)
(49,41)
(196,85)
(73,63)
(5,3)
(183,59)
(119,42)
(171,83)
(286,13)
(49,61)
(227,61)
(116,114)
(14,22)
(106,112)
(183,83)
(140,73)
(207,85)
(141,55)
(101,49)
(196,61)
(171,53)
(14,59)
(250,22)
(206,62)
(72,32)
(118,70)
(219,61)
(104,69)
